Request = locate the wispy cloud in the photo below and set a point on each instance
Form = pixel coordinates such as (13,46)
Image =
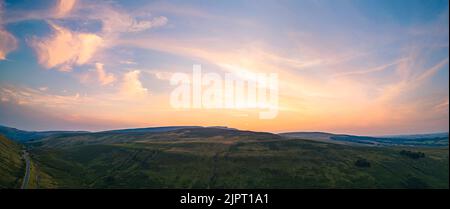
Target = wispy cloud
(371,70)
(442,106)
(8,43)
(410,83)
(63,7)
(128,62)
(115,20)
(160,74)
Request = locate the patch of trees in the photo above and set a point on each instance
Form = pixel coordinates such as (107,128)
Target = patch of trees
(363,163)
(411,154)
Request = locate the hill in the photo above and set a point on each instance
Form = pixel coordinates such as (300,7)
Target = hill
(227,158)
(24,136)
(11,164)
(150,129)
(201,134)
(431,140)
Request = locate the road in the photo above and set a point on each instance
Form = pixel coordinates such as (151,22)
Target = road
(26,156)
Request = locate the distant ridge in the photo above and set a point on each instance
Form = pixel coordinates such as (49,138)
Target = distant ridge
(23,136)
(150,129)
(414,136)
(431,140)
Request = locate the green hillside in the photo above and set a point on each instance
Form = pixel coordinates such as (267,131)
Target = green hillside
(213,158)
(11,164)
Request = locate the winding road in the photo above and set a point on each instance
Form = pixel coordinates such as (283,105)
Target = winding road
(27,170)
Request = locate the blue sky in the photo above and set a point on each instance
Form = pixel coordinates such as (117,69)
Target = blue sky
(363,67)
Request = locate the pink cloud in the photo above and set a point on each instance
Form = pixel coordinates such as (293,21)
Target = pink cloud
(7,43)
(66,48)
(131,85)
(104,77)
(64,7)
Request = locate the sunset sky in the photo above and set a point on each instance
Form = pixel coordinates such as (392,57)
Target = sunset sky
(368,67)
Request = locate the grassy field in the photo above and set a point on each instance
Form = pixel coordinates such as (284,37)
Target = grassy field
(246,160)
(12,167)
(39,179)
(217,158)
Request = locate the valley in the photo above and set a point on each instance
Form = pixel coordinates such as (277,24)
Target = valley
(214,157)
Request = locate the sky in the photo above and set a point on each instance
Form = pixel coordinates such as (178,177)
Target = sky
(367,67)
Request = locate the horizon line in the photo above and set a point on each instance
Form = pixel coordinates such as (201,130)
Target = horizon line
(199,126)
